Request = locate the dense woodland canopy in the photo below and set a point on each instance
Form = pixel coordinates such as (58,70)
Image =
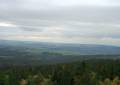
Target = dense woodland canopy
(86,72)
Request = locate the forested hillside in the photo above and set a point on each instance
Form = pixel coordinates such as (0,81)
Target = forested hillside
(86,72)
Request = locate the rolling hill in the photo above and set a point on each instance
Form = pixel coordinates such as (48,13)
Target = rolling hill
(26,52)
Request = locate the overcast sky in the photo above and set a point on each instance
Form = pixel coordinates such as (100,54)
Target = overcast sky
(67,21)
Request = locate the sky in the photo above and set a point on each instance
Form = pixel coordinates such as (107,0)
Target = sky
(66,21)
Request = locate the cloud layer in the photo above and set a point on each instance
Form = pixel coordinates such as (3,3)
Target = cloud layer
(68,21)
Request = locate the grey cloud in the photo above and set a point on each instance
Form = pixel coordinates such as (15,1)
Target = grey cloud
(61,19)
(30,28)
(77,13)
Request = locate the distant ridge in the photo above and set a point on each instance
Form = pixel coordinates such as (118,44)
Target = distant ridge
(37,53)
(82,49)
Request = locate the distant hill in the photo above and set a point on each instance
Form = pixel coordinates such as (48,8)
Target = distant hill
(42,52)
(82,49)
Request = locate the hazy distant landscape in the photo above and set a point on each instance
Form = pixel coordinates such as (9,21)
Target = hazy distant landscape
(43,63)
(28,53)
